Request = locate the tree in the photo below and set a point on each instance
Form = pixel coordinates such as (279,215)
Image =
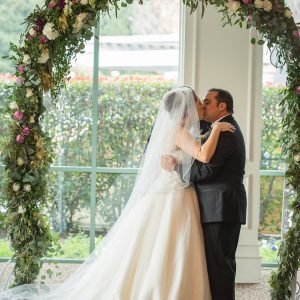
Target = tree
(271,159)
(12,26)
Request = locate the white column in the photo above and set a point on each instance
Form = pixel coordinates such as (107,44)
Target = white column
(213,56)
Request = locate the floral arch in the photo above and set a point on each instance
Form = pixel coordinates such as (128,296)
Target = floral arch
(55,33)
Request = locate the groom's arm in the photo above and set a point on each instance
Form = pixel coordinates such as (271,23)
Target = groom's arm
(206,171)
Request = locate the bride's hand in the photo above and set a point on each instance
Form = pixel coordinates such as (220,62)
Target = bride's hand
(224,126)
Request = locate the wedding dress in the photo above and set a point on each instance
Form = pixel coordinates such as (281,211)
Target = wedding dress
(155,251)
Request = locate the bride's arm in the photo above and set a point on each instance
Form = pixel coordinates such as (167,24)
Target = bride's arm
(203,153)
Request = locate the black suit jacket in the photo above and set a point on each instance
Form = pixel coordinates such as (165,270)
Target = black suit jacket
(219,183)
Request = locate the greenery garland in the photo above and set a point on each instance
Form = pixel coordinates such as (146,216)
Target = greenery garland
(54,35)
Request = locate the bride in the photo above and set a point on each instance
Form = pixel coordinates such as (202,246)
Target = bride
(155,250)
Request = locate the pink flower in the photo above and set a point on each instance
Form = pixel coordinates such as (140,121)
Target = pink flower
(298,90)
(247,1)
(21,68)
(51,4)
(18,115)
(20,139)
(43,39)
(26,130)
(20,81)
(296,33)
(39,24)
(29,37)
(61,4)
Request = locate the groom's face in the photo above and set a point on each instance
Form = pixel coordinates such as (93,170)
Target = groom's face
(212,109)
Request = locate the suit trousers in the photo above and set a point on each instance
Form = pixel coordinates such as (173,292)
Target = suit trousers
(221,241)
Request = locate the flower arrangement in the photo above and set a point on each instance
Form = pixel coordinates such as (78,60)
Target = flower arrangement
(55,33)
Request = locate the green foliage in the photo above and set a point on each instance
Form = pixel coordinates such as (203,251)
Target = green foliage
(271,188)
(120,25)
(271,191)
(5,250)
(268,250)
(74,246)
(271,148)
(123,105)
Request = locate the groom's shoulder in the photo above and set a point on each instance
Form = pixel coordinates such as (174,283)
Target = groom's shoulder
(204,126)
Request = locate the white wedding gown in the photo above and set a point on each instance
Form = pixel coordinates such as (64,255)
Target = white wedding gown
(157,252)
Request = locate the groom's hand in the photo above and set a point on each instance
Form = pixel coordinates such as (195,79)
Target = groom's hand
(168,162)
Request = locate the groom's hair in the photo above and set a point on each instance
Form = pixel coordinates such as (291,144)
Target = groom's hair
(225,97)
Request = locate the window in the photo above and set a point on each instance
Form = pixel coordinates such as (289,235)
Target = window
(100,127)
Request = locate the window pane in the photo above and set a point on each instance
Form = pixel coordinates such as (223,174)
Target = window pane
(13,13)
(5,250)
(126,115)
(68,209)
(271,194)
(69,124)
(139,58)
(113,192)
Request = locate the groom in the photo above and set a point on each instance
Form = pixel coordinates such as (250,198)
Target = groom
(221,194)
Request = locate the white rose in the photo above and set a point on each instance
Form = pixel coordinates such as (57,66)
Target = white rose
(16,187)
(297,158)
(32,32)
(78,22)
(267,5)
(84,2)
(44,56)
(26,59)
(27,187)
(31,119)
(68,8)
(29,93)
(50,32)
(13,105)
(233,6)
(259,4)
(20,161)
(21,209)
(288,13)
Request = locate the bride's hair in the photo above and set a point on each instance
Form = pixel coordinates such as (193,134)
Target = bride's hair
(173,102)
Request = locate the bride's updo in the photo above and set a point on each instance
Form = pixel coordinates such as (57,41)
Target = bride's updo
(174,102)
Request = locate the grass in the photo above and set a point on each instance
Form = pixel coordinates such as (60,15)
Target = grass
(76,246)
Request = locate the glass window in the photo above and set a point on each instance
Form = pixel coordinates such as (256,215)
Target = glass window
(272,160)
(90,182)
